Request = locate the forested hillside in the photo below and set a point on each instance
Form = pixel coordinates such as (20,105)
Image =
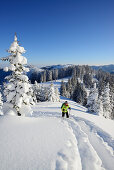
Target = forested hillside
(91,88)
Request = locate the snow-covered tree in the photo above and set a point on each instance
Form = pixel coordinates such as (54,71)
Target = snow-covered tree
(55,74)
(57,95)
(79,94)
(37,90)
(44,76)
(99,106)
(34,88)
(42,93)
(1,104)
(107,108)
(92,104)
(49,75)
(17,90)
(51,94)
(63,91)
(69,88)
(112,102)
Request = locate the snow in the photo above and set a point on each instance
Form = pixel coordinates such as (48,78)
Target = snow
(15,47)
(94,134)
(56,83)
(45,141)
(5,69)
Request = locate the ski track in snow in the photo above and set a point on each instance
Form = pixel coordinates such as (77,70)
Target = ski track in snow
(91,145)
(89,157)
(98,154)
(102,149)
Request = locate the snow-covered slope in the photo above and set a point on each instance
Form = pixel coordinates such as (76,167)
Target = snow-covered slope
(48,142)
(57,83)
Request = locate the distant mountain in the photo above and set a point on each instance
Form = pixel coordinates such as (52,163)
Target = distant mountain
(107,68)
(56,66)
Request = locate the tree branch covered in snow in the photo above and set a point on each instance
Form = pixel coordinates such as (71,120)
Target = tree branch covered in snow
(17,90)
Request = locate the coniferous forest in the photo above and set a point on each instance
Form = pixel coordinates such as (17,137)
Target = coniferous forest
(91,88)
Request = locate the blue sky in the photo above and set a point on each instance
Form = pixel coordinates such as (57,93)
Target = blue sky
(60,31)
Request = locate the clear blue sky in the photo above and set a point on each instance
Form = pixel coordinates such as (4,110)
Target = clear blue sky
(60,31)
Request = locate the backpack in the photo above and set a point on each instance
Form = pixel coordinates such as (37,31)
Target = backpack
(62,105)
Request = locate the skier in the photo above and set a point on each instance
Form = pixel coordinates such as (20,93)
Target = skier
(65,108)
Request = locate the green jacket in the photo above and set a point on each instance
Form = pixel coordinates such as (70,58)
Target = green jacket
(64,108)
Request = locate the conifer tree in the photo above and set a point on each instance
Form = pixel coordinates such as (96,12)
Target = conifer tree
(55,74)
(92,99)
(107,109)
(44,76)
(63,89)
(17,90)
(1,104)
(79,94)
(41,78)
(49,75)
(34,87)
(69,88)
(51,94)
(43,93)
(57,95)
(99,106)
(112,102)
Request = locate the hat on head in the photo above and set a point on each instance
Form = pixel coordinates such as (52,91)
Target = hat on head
(66,102)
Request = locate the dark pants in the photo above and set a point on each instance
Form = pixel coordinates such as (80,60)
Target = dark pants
(63,114)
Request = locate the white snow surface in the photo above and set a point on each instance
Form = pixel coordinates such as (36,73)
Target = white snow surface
(46,141)
(56,83)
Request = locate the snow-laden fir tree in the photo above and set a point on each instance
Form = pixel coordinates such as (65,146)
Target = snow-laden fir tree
(51,93)
(99,106)
(63,91)
(69,88)
(112,104)
(18,91)
(55,74)
(57,94)
(49,75)
(92,104)
(40,92)
(107,108)
(52,96)
(1,104)
(34,91)
(44,93)
(79,94)
(43,77)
